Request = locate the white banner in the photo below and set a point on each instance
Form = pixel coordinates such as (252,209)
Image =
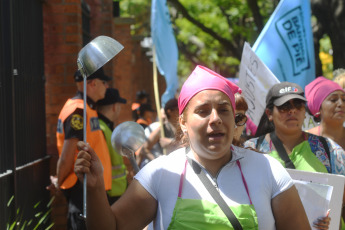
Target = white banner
(255,79)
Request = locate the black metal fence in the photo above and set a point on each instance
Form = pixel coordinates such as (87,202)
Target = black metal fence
(24,165)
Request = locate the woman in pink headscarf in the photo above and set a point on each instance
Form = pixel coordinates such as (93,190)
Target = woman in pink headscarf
(208,184)
(326,102)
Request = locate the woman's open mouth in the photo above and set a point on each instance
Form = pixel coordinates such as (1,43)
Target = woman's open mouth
(215,136)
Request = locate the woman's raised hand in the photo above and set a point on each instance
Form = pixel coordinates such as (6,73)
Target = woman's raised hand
(87,162)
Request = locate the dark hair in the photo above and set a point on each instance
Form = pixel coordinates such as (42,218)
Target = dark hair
(143,108)
(265,125)
(180,137)
(170,105)
(135,114)
(141,95)
(316,119)
(240,102)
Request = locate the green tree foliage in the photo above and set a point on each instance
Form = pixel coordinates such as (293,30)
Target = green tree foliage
(211,32)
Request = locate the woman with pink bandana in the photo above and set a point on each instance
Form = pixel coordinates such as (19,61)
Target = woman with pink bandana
(326,102)
(208,184)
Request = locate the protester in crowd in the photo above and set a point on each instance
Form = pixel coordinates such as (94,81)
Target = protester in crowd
(69,132)
(146,115)
(280,134)
(240,120)
(148,130)
(109,110)
(326,102)
(142,97)
(155,143)
(339,77)
(170,189)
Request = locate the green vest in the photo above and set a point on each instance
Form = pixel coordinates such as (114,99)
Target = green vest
(118,168)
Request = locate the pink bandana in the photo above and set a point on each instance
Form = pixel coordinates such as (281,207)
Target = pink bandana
(201,79)
(317,91)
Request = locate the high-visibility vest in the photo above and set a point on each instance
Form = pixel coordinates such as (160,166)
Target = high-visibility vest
(94,137)
(118,168)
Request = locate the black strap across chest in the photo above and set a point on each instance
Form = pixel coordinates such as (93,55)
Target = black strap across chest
(215,194)
(282,152)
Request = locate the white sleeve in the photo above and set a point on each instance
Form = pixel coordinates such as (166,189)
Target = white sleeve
(149,176)
(280,178)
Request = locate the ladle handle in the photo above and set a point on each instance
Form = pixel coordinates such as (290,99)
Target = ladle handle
(134,163)
(84,139)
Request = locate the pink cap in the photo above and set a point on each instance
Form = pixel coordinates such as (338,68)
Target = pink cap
(317,91)
(201,79)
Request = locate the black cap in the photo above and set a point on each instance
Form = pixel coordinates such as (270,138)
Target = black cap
(283,92)
(112,96)
(98,74)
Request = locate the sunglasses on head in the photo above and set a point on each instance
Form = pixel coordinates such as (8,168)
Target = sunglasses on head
(240,119)
(287,106)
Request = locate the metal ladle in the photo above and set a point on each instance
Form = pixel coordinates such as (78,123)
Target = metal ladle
(126,139)
(90,58)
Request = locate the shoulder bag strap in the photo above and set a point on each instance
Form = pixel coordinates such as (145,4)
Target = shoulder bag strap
(281,151)
(325,146)
(259,141)
(215,194)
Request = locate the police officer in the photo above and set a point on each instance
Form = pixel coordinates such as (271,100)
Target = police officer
(70,131)
(108,112)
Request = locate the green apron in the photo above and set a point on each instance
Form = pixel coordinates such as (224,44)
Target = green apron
(202,214)
(303,158)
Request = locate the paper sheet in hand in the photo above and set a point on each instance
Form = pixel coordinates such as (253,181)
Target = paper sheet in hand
(315,198)
(336,200)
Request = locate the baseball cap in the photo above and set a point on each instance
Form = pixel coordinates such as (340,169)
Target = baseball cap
(283,92)
(112,96)
(98,74)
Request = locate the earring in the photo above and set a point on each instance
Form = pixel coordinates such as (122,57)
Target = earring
(235,126)
(317,114)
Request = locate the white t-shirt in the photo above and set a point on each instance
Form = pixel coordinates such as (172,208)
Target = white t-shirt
(161,179)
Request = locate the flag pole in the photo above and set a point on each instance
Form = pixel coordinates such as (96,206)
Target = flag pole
(156,92)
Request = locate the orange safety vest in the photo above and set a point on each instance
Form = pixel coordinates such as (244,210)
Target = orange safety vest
(94,137)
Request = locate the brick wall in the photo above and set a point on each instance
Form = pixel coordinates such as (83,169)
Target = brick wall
(131,69)
(62,41)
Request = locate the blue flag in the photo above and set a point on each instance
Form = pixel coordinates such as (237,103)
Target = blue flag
(286,45)
(166,48)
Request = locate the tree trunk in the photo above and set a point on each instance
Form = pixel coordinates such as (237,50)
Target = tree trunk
(330,15)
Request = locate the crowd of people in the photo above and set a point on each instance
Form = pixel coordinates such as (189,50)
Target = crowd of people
(205,164)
